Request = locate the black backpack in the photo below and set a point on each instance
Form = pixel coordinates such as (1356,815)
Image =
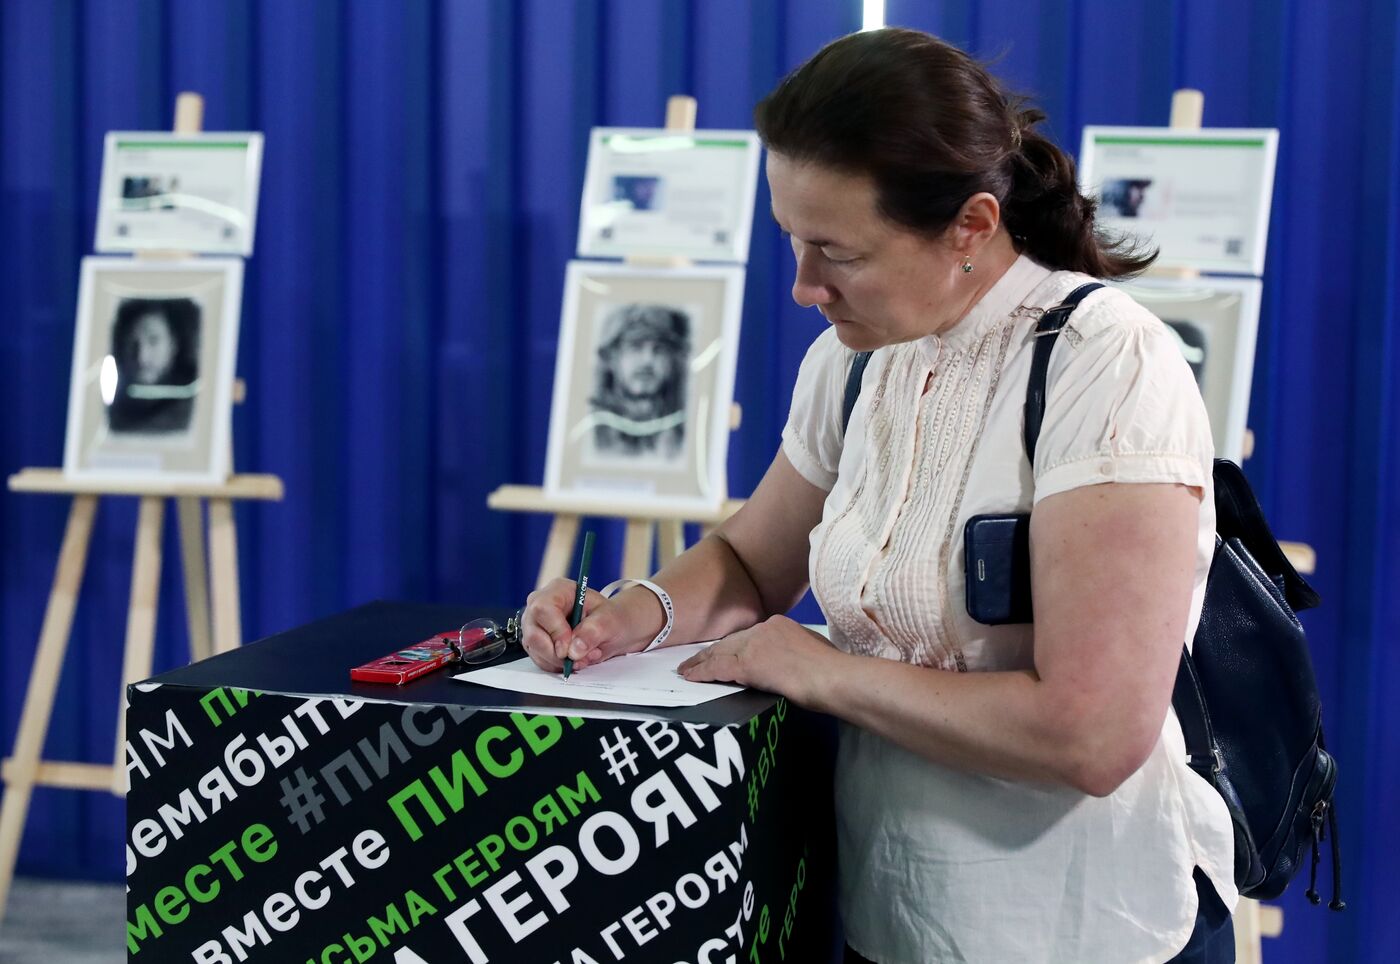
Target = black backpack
(1246,697)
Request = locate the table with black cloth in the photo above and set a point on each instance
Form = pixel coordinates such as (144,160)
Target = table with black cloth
(278,811)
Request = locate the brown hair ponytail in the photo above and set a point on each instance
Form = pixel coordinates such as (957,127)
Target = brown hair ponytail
(931,127)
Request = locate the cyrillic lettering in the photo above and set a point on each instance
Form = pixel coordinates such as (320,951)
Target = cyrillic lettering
(224,855)
(661,906)
(171,905)
(553,883)
(729,763)
(521,841)
(588,846)
(346,761)
(309,711)
(153,741)
(176,820)
(509,910)
(398,804)
(418,908)
(719,869)
(276,908)
(362,947)
(382,930)
(547,812)
(215,787)
(237,761)
(662,742)
(696,883)
(149,837)
(253,840)
(640,929)
(530,727)
(493,766)
(453,792)
(457,924)
(304,896)
(390,743)
(211,952)
(336,860)
(370,849)
(438,876)
(145,926)
(658,814)
(583,789)
(207,701)
(277,749)
(253,932)
(423,737)
(200,895)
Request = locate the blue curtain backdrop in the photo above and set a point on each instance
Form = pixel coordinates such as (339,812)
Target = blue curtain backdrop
(419,201)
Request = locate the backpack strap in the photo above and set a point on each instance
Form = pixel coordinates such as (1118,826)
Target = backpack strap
(1047,331)
(853,378)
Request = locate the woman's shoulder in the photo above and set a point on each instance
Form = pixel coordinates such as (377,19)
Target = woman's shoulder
(1109,309)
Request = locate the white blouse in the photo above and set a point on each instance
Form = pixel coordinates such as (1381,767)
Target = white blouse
(942,865)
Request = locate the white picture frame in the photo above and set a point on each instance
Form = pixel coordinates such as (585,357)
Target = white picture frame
(1202,196)
(651,192)
(179,192)
(151,385)
(643,385)
(1215,322)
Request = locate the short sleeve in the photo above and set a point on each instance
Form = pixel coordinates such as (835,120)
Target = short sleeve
(813,436)
(1122,406)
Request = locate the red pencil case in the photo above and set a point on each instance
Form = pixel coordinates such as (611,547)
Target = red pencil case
(409,663)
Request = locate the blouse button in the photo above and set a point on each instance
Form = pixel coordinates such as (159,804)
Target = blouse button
(1106,468)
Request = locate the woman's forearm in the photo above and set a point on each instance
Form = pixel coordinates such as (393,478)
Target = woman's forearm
(1005,724)
(711,591)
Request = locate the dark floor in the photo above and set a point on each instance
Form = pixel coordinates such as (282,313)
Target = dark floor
(60,922)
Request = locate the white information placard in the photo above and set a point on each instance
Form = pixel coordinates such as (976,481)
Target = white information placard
(643,385)
(179,192)
(1215,322)
(1201,196)
(667,193)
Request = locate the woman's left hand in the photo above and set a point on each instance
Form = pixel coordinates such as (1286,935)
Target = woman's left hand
(777,655)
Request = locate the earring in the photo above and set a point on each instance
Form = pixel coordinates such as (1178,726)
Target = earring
(967,265)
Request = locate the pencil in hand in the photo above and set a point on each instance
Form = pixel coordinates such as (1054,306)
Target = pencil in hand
(577,616)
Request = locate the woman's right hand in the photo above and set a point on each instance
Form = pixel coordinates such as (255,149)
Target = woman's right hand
(610,627)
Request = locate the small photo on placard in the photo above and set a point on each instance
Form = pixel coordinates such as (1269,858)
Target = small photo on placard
(671,194)
(179,192)
(643,385)
(152,380)
(1215,323)
(1201,196)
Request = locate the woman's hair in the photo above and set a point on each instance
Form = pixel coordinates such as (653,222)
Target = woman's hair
(931,127)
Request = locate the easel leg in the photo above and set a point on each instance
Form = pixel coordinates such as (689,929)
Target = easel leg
(140,619)
(1247,936)
(636,552)
(223,557)
(192,554)
(557,548)
(672,536)
(43,682)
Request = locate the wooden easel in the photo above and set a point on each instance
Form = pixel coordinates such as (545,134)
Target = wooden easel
(216,630)
(1253,920)
(642,529)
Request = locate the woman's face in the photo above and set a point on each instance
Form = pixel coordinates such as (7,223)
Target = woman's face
(151,349)
(878,283)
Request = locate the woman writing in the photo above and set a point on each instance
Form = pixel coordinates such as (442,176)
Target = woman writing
(1003,793)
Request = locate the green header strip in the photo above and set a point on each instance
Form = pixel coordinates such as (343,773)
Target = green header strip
(186,145)
(1179,141)
(699,141)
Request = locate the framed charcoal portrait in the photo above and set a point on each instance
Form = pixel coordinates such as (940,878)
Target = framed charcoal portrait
(643,385)
(1215,322)
(152,379)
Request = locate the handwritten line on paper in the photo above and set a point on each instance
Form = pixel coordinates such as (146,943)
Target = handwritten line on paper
(639,679)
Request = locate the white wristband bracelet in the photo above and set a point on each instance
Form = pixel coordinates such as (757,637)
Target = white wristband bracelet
(612,588)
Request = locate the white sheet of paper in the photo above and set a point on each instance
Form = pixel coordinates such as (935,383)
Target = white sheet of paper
(642,679)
